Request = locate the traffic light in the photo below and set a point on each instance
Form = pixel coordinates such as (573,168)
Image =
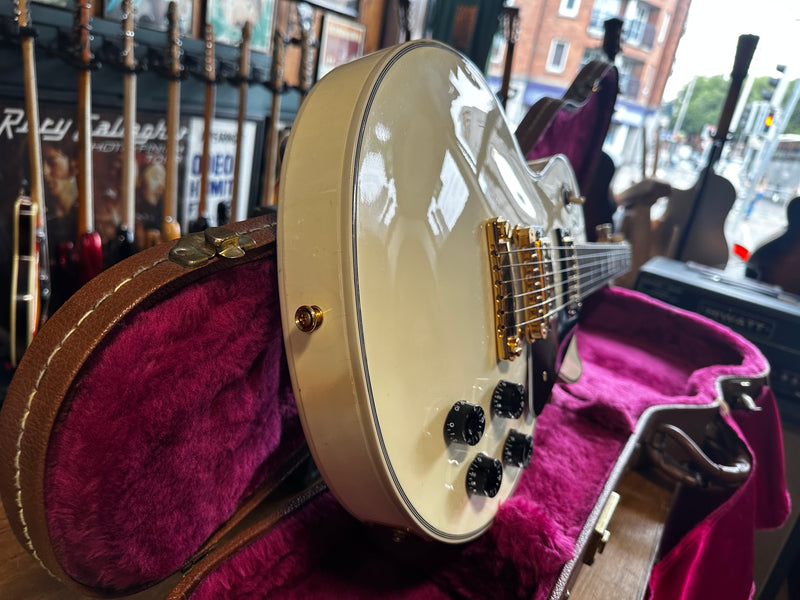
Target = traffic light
(768,120)
(773,83)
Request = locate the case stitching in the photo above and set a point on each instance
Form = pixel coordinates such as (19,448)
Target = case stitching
(26,414)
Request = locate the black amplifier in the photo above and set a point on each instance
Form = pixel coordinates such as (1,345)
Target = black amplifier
(764,314)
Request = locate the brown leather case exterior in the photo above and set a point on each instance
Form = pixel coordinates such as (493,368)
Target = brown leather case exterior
(56,357)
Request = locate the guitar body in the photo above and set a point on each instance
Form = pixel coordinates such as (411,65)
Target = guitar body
(777,261)
(395,163)
(706,243)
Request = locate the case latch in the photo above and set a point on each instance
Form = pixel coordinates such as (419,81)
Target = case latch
(196,249)
(600,534)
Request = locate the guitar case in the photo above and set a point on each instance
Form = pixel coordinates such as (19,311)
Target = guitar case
(576,125)
(150,439)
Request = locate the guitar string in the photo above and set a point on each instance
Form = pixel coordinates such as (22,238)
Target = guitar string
(610,252)
(555,310)
(601,271)
(602,248)
(610,259)
(589,284)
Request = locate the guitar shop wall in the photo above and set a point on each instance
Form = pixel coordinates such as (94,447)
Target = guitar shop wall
(239,112)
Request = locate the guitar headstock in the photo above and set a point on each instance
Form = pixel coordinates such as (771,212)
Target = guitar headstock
(745,48)
(22,14)
(278,61)
(81,35)
(128,33)
(511,23)
(209,66)
(305,15)
(244,51)
(174,44)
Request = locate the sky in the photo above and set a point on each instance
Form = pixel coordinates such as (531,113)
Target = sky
(713,27)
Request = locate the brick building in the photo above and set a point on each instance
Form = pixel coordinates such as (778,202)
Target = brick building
(557,37)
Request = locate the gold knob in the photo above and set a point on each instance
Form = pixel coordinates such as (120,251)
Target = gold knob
(308,318)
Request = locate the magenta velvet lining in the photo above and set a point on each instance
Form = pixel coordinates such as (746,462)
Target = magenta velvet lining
(578,132)
(636,353)
(173,423)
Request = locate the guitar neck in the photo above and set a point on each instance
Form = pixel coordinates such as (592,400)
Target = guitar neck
(598,264)
(243,76)
(744,54)
(129,111)
(40,286)
(85,178)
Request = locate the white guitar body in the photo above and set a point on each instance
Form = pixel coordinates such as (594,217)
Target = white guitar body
(395,164)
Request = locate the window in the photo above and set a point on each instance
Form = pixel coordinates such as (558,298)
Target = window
(662,35)
(557,57)
(637,29)
(569,8)
(602,11)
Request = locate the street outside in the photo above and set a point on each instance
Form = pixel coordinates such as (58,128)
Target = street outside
(766,217)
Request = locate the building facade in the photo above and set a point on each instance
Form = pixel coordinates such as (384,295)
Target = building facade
(557,37)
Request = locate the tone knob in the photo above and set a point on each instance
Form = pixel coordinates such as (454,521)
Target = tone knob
(465,423)
(484,476)
(518,449)
(508,399)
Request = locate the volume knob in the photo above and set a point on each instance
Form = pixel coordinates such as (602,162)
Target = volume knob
(484,476)
(508,399)
(465,423)
(518,449)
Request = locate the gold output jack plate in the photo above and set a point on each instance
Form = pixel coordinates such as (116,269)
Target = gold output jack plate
(308,318)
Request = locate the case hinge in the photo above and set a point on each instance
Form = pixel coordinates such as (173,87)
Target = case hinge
(196,249)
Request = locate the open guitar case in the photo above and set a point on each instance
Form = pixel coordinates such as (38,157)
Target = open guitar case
(150,439)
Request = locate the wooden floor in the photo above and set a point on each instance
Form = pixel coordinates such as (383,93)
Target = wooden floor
(620,572)
(22,578)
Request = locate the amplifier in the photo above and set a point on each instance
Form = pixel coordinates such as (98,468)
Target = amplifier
(764,314)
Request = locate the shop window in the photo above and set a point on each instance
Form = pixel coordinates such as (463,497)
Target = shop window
(557,57)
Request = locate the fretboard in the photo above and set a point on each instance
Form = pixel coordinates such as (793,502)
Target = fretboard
(600,263)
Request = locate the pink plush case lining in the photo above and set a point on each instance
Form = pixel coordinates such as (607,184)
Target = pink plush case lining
(172,424)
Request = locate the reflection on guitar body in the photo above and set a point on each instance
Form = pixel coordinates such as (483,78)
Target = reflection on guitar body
(421,261)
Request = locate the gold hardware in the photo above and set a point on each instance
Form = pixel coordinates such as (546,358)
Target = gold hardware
(603,232)
(576,200)
(308,318)
(601,534)
(522,285)
(196,249)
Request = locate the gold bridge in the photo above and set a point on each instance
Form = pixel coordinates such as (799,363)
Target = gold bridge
(522,285)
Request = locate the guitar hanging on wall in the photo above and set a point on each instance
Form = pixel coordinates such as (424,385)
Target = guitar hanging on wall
(30,262)
(420,268)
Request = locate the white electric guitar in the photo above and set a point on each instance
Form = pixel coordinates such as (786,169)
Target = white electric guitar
(421,262)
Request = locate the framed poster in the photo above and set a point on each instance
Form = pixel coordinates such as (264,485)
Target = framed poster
(152,14)
(58,3)
(229,16)
(341,41)
(348,8)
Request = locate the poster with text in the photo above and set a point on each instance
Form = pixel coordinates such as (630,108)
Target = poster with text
(221,166)
(59,166)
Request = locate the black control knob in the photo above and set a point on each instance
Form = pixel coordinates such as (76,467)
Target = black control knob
(508,399)
(484,476)
(465,423)
(518,449)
